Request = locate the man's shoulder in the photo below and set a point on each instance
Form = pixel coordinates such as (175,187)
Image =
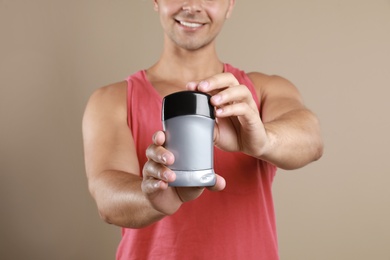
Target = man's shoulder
(109,96)
(259,78)
(262,80)
(110,90)
(267,85)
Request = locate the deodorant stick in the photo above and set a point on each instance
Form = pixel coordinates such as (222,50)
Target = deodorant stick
(188,121)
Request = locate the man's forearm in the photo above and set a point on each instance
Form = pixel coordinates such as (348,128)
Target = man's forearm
(295,140)
(120,200)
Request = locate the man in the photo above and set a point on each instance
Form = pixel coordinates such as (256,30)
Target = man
(261,124)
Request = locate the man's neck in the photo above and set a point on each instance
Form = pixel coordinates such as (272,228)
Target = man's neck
(184,66)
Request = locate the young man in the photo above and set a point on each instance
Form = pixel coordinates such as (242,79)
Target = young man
(261,124)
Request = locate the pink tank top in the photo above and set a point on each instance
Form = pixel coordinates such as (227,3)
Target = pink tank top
(236,223)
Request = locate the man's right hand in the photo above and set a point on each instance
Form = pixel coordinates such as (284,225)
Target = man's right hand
(157,175)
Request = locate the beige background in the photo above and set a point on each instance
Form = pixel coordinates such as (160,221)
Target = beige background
(54,53)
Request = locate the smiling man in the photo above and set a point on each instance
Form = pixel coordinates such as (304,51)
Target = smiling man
(261,124)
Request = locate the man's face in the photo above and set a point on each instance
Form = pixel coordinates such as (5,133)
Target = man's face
(193,24)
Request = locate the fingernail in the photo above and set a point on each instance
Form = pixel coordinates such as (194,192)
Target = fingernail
(219,111)
(166,176)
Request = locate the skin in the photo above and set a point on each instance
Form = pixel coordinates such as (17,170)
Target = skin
(286,133)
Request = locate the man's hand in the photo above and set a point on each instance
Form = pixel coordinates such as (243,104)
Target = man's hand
(157,175)
(238,123)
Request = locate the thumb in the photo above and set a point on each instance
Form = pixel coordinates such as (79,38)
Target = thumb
(220,184)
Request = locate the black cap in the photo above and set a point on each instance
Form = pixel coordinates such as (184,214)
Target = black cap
(187,103)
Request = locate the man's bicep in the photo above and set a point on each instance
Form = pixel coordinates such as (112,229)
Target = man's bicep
(278,97)
(108,142)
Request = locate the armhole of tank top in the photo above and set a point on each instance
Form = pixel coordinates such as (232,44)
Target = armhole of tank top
(128,99)
(249,83)
(272,168)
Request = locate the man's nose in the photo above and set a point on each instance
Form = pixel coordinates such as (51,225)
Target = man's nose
(192,6)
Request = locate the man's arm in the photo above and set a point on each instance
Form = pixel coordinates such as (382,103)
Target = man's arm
(285,134)
(111,161)
(123,197)
(293,131)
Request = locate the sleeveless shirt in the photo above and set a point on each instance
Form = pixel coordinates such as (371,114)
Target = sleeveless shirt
(236,223)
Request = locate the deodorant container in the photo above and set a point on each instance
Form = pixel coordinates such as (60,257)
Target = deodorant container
(188,121)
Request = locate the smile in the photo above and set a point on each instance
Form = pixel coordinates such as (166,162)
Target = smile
(191,25)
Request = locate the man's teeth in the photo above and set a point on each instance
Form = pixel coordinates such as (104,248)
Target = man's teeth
(192,25)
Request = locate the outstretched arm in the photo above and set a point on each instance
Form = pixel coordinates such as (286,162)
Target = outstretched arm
(123,197)
(111,161)
(285,134)
(293,130)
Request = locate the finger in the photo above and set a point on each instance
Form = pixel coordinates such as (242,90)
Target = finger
(237,109)
(218,81)
(220,184)
(159,154)
(192,86)
(156,171)
(159,138)
(151,186)
(239,93)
